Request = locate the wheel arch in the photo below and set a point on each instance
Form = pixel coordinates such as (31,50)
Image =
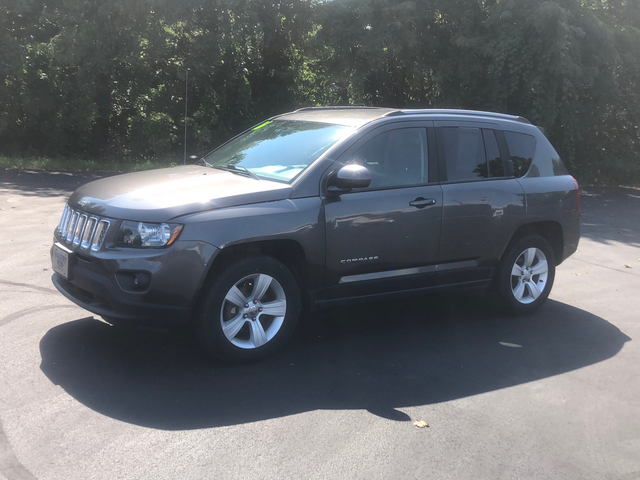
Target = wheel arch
(288,252)
(549,230)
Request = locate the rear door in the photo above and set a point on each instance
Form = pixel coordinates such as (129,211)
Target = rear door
(483,204)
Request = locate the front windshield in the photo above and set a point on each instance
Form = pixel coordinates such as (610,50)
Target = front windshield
(278,149)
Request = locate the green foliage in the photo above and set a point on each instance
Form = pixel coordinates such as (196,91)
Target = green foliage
(107,79)
(84,164)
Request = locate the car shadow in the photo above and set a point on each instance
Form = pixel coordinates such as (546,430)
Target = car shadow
(379,356)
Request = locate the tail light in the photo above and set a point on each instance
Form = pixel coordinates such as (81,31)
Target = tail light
(575,183)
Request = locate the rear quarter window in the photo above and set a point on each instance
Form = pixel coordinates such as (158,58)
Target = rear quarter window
(558,167)
(522,148)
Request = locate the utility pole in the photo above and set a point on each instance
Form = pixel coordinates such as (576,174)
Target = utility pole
(186,103)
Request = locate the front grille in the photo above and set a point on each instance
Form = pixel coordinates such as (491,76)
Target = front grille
(82,230)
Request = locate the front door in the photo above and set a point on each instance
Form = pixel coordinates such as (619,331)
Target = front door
(385,238)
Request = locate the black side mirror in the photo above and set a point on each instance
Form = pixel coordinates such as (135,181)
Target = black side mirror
(348,178)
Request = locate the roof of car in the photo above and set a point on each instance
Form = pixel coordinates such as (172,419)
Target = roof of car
(352,116)
(358,116)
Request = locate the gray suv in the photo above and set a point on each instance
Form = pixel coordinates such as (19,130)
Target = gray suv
(319,207)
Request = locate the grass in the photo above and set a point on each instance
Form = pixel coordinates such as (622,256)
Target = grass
(83,165)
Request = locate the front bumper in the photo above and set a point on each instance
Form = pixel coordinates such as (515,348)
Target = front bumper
(100,282)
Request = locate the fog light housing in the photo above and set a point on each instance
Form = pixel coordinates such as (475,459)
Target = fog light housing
(134,281)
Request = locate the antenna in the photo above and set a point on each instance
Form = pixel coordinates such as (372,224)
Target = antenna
(186,104)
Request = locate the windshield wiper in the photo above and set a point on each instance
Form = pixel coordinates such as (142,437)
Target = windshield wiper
(239,169)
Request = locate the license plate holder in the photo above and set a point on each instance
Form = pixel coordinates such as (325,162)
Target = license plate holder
(61,259)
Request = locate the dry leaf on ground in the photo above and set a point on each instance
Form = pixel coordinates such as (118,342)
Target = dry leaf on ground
(420,423)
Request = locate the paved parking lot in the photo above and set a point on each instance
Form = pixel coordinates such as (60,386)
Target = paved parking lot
(554,395)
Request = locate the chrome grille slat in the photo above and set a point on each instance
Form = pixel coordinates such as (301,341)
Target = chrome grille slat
(63,218)
(72,226)
(67,219)
(82,221)
(98,237)
(82,230)
(89,230)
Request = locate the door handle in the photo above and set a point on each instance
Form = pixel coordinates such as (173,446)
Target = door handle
(423,202)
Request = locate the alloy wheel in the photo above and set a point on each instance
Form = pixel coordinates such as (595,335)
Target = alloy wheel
(253,311)
(529,275)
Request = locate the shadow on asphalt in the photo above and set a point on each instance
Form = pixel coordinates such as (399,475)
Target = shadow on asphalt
(40,183)
(611,215)
(379,356)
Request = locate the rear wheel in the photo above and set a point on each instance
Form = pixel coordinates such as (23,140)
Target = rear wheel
(525,275)
(250,311)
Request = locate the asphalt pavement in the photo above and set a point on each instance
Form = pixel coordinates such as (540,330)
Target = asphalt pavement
(555,395)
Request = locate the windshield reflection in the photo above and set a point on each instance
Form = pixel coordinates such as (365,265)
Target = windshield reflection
(279,149)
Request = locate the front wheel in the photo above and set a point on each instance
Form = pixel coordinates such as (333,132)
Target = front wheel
(525,275)
(250,311)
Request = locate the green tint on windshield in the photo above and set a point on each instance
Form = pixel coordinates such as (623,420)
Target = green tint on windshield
(279,150)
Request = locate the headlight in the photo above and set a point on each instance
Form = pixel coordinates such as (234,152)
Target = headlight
(142,234)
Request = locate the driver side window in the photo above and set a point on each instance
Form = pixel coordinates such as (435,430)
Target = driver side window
(395,158)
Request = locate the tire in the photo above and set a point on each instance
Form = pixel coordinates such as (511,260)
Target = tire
(250,310)
(525,275)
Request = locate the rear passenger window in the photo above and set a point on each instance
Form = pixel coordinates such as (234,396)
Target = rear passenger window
(464,153)
(522,147)
(470,153)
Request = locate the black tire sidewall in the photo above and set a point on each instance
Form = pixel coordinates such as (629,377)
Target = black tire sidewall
(503,283)
(208,326)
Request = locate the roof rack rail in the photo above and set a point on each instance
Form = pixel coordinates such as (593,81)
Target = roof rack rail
(334,107)
(453,111)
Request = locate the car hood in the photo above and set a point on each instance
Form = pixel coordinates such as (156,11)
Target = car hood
(163,194)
